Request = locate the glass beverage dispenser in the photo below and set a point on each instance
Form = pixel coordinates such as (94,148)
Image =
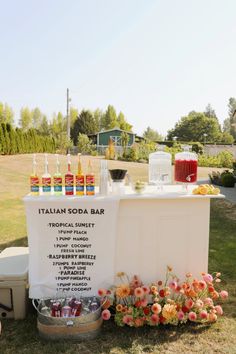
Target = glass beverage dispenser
(160,167)
(186,167)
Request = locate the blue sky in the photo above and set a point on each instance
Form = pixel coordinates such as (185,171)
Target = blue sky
(154,60)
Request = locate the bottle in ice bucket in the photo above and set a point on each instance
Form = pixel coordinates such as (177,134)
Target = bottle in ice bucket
(34,179)
(46,178)
(160,167)
(76,306)
(69,179)
(55,308)
(66,311)
(94,305)
(186,166)
(79,180)
(57,178)
(90,180)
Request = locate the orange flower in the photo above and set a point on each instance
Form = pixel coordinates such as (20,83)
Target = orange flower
(169,311)
(119,308)
(215,295)
(154,289)
(123,291)
(190,293)
(106,304)
(120,274)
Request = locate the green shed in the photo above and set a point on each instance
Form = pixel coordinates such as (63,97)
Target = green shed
(115,134)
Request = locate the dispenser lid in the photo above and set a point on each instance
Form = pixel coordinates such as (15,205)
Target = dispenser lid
(160,153)
(186,154)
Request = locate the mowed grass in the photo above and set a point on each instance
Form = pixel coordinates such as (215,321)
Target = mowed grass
(22,336)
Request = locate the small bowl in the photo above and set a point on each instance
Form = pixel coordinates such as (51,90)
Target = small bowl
(139,187)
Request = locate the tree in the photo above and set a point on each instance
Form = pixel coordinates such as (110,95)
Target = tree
(122,123)
(109,120)
(227,138)
(226,125)
(85,145)
(124,141)
(232,116)
(194,126)
(98,116)
(209,112)
(73,115)
(44,127)
(6,145)
(6,114)
(84,124)
(37,118)
(25,118)
(59,133)
(2,141)
(12,139)
(152,135)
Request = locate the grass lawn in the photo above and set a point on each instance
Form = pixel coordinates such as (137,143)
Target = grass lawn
(22,336)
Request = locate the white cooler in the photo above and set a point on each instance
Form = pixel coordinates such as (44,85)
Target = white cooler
(13,282)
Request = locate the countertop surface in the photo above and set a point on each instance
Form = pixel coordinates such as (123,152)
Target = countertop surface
(150,192)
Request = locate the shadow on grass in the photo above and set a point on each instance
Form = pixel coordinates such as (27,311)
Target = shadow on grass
(112,339)
(20,242)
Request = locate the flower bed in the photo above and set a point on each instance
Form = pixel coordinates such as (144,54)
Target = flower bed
(169,302)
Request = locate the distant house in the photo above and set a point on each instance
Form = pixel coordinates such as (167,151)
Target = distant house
(102,138)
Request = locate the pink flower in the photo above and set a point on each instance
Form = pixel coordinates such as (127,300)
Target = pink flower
(106,315)
(138,292)
(155,318)
(156,308)
(192,316)
(146,289)
(203,315)
(208,278)
(102,292)
(202,284)
(219,310)
(138,322)
(224,294)
(144,302)
(189,303)
(135,282)
(173,285)
(127,319)
(208,301)
(180,315)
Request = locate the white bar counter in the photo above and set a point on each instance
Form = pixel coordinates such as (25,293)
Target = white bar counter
(154,229)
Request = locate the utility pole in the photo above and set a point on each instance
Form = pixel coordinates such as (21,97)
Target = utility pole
(68,117)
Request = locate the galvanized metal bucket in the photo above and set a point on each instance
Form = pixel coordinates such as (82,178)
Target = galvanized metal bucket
(78,328)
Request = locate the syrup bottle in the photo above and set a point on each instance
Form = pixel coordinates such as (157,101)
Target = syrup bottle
(34,179)
(46,178)
(79,180)
(57,178)
(90,181)
(69,179)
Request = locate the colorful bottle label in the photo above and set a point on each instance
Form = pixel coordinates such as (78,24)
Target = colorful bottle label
(69,184)
(57,182)
(46,183)
(34,185)
(90,185)
(79,184)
